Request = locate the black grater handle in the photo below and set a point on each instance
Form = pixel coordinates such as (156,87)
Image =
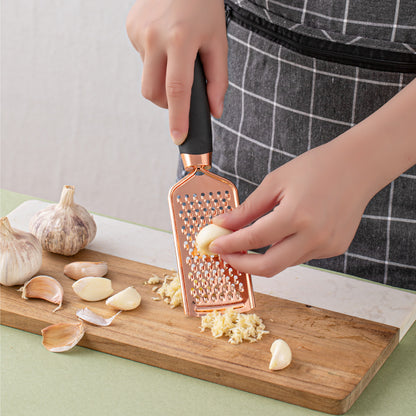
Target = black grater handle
(199,138)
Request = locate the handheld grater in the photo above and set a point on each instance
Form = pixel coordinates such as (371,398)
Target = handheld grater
(207,282)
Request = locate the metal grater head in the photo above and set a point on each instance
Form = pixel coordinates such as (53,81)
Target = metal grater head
(208,283)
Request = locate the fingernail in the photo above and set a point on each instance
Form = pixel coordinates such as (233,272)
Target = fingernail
(177,136)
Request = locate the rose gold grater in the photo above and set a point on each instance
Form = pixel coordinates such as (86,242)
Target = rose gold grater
(208,283)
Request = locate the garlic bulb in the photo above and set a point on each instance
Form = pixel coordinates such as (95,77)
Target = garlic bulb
(20,255)
(64,228)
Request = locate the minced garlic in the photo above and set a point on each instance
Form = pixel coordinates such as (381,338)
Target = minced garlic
(153,280)
(170,291)
(237,326)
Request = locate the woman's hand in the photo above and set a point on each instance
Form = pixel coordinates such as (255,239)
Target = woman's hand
(168,34)
(311,207)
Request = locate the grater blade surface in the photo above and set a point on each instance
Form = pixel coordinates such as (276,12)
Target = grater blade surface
(208,283)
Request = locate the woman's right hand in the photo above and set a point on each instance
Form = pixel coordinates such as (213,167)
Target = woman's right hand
(168,34)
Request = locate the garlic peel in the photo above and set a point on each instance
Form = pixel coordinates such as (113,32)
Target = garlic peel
(64,228)
(79,269)
(281,355)
(21,255)
(126,300)
(44,287)
(207,235)
(63,336)
(91,317)
(93,288)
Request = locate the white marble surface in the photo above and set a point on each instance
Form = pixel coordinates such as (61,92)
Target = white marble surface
(303,284)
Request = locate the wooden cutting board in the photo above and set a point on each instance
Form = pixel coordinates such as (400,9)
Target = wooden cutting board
(334,355)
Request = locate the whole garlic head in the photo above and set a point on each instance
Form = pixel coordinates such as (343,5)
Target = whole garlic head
(20,255)
(64,228)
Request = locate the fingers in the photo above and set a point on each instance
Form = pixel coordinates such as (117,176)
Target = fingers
(282,255)
(153,78)
(179,78)
(261,201)
(273,227)
(215,66)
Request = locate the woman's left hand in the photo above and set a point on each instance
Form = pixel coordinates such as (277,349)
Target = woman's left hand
(309,208)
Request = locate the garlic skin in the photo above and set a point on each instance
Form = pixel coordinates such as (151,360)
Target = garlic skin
(63,336)
(44,287)
(20,255)
(64,228)
(126,300)
(93,318)
(281,355)
(79,269)
(93,288)
(207,235)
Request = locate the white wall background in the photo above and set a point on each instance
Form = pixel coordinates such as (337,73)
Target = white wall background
(72,112)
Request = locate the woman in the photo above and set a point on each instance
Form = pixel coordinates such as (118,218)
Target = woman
(315,122)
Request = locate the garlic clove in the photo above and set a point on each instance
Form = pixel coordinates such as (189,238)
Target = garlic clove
(63,336)
(93,288)
(79,269)
(21,255)
(126,300)
(64,228)
(281,355)
(91,317)
(207,235)
(44,287)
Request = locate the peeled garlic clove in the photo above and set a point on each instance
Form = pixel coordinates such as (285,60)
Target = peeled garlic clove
(281,355)
(21,255)
(44,287)
(64,228)
(126,300)
(62,337)
(78,269)
(93,288)
(91,317)
(207,235)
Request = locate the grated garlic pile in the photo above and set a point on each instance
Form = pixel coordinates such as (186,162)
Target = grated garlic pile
(237,326)
(153,280)
(170,291)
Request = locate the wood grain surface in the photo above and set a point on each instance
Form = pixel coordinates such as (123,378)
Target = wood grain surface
(334,355)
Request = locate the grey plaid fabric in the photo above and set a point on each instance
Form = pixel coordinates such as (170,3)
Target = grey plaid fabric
(388,24)
(280,104)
